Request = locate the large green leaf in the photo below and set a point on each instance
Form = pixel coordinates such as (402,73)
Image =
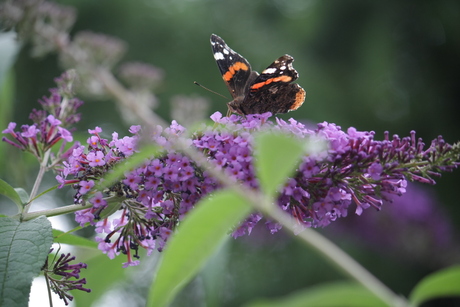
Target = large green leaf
(439,284)
(277,156)
(195,240)
(23,251)
(67,238)
(343,294)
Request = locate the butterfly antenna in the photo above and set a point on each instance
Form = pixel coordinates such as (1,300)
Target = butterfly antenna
(209,90)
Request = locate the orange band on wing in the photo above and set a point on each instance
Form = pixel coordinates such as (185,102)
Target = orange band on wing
(277,79)
(233,69)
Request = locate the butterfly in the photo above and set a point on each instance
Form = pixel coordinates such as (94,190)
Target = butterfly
(254,93)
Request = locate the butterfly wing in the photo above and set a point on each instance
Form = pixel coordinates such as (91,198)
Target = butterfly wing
(236,70)
(273,90)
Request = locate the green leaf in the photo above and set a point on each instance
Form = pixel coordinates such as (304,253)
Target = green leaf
(131,163)
(276,155)
(343,294)
(67,238)
(23,251)
(439,284)
(12,193)
(195,240)
(23,195)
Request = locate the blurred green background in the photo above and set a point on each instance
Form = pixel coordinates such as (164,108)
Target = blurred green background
(373,65)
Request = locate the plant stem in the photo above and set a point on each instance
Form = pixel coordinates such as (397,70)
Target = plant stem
(55,211)
(319,243)
(338,258)
(38,181)
(48,287)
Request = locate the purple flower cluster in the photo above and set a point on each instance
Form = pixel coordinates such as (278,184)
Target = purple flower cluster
(153,198)
(60,275)
(150,200)
(49,127)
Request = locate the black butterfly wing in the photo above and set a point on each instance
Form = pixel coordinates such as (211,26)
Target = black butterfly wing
(236,70)
(273,90)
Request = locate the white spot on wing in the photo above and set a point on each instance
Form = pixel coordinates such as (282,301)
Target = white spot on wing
(218,56)
(269,70)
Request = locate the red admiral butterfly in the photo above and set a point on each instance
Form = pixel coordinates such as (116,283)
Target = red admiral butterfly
(271,91)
